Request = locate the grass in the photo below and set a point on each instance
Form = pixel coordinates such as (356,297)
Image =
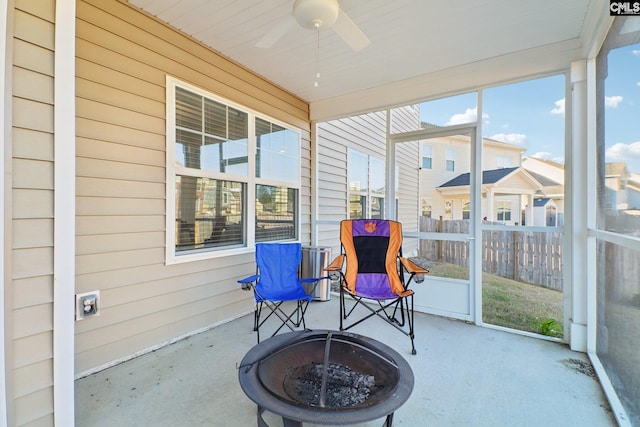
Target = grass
(513,304)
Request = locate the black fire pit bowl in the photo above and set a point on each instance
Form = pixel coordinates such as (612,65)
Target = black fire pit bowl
(325,377)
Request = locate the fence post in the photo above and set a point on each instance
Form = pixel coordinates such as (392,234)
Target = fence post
(440,242)
(516,253)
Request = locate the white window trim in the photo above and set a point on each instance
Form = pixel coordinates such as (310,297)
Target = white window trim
(171,257)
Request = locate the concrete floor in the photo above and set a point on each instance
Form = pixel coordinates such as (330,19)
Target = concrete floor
(464,376)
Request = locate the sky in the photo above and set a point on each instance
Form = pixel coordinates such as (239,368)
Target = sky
(531,113)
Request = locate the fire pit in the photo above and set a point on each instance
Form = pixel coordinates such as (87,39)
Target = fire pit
(325,377)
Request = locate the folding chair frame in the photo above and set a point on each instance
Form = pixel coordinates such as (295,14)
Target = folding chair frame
(391,310)
(292,321)
(380,308)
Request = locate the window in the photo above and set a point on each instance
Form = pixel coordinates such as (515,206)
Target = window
(276,205)
(211,180)
(366,175)
(426,208)
(503,211)
(551,216)
(450,160)
(466,211)
(503,162)
(427,156)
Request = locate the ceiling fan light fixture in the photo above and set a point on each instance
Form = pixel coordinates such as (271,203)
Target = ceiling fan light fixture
(313,14)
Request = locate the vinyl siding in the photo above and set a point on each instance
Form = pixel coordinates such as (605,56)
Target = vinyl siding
(366,134)
(122,59)
(30,370)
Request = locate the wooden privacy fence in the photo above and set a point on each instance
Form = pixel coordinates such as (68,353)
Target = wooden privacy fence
(525,256)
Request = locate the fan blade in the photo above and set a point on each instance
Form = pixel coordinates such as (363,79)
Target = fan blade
(276,32)
(350,33)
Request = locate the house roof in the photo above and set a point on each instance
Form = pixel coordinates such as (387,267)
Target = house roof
(541,201)
(488,177)
(546,182)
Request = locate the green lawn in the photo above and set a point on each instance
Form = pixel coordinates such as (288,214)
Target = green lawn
(513,304)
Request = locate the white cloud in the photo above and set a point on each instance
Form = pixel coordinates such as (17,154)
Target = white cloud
(559,108)
(623,152)
(636,52)
(612,101)
(510,138)
(470,115)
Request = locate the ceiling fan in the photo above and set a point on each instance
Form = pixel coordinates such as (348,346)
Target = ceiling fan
(316,14)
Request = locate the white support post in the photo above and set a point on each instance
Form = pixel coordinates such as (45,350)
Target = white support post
(64,213)
(390,174)
(576,188)
(5,128)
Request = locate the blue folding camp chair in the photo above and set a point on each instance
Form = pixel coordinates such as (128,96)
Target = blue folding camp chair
(374,275)
(277,283)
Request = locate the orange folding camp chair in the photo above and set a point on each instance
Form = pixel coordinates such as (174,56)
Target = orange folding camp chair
(372,271)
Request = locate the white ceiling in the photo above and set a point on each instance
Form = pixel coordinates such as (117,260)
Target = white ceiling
(419,48)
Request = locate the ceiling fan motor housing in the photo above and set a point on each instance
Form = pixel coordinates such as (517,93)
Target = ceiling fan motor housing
(313,14)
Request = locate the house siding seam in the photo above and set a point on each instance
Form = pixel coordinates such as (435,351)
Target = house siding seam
(123,57)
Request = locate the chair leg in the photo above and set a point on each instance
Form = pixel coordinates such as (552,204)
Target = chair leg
(410,319)
(256,320)
(342,308)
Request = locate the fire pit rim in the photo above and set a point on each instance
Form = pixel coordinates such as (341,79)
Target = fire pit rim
(253,388)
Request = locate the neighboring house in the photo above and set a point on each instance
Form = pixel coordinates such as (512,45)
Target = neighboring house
(504,192)
(551,175)
(545,212)
(616,182)
(508,190)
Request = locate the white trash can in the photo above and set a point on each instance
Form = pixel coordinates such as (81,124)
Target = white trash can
(314,260)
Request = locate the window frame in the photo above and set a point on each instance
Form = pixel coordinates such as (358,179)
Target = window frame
(427,148)
(250,181)
(450,159)
(503,207)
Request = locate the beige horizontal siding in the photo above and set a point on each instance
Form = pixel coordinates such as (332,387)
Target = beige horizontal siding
(36,232)
(34,145)
(32,203)
(33,57)
(33,348)
(35,290)
(37,376)
(35,409)
(122,59)
(30,293)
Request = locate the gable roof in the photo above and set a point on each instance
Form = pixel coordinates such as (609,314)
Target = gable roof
(546,182)
(488,177)
(541,201)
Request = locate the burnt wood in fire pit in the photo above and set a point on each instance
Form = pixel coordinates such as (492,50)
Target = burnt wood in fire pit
(325,377)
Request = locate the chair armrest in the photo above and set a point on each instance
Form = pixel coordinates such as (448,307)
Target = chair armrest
(312,279)
(412,267)
(249,279)
(336,264)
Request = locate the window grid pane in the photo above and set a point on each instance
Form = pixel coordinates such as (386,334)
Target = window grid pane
(209,213)
(276,213)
